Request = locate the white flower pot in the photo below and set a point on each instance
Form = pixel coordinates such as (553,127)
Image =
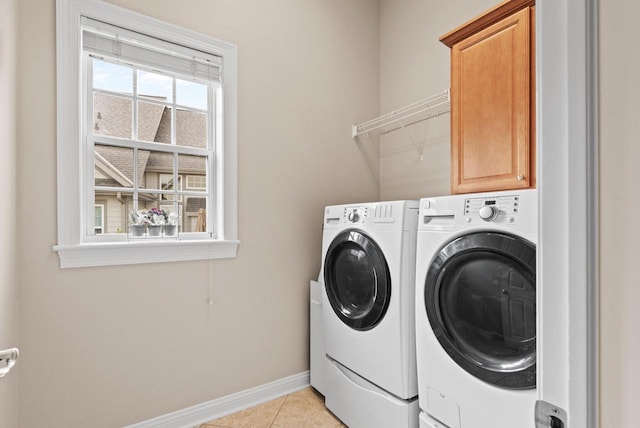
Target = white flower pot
(154,229)
(169,229)
(136,229)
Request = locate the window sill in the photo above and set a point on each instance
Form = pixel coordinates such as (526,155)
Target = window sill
(126,253)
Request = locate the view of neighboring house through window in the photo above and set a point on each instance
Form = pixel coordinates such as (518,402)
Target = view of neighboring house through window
(196,182)
(166,183)
(150,127)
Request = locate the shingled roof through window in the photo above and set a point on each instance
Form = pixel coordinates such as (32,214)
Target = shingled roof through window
(120,161)
(113,117)
(194,204)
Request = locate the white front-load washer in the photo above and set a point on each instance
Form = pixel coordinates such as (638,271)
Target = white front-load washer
(368,274)
(476,309)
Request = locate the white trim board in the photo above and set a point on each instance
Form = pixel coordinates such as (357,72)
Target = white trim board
(567,116)
(214,409)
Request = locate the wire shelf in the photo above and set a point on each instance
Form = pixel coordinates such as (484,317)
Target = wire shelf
(427,108)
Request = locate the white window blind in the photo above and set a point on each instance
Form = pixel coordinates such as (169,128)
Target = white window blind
(104,39)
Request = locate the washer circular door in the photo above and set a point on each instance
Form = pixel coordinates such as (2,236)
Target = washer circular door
(357,280)
(480,297)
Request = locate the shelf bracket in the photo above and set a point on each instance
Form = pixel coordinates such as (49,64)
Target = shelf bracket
(419,149)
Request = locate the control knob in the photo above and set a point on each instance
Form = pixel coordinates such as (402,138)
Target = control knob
(353,216)
(488,212)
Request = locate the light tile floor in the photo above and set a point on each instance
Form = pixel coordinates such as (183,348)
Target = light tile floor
(301,409)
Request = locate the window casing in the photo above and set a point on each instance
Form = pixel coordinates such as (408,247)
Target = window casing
(136,140)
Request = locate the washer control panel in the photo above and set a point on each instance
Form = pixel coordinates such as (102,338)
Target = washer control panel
(492,209)
(356,214)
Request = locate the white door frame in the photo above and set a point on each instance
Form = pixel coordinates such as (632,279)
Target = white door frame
(566,63)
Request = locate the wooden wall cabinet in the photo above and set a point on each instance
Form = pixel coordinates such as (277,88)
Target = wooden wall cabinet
(493,100)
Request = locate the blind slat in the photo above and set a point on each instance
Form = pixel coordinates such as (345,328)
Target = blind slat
(107,40)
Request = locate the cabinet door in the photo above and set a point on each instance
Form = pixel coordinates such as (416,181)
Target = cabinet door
(490,107)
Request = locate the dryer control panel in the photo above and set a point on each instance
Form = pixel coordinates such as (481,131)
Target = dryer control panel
(502,208)
(508,208)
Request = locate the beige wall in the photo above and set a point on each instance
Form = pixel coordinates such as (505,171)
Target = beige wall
(619,208)
(415,65)
(104,347)
(8,289)
(141,340)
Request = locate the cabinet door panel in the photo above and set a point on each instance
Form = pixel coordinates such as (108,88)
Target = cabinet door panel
(491,98)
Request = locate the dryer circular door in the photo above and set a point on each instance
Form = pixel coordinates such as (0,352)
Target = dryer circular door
(480,297)
(357,280)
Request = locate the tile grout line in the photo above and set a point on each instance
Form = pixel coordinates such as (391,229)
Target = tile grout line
(279,409)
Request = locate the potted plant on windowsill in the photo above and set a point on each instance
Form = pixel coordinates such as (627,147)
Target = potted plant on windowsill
(156,222)
(155,218)
(171,225)
(138,222)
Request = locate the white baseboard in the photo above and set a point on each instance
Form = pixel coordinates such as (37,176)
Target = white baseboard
(214,409)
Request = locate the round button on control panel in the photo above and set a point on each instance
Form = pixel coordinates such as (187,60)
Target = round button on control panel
(488,212)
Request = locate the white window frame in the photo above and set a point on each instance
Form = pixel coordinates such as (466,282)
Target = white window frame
(73,249)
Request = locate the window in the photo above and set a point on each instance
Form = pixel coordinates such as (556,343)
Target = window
(142,105)
(98,219)
(196,182)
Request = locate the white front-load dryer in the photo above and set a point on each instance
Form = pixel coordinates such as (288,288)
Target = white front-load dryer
(476,309)
(368,274)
